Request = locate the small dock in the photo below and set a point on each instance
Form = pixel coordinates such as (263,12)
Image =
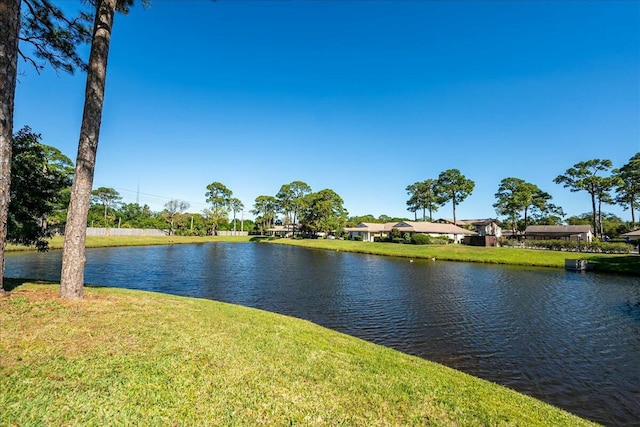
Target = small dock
(577,265)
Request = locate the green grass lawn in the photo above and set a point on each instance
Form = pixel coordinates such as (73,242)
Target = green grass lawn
(110,241)
(624,264)
(123,357)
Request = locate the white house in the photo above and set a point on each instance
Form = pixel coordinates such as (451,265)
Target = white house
(370,230)
(484,227)
(434,229)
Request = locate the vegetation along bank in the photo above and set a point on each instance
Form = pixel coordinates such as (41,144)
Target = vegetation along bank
(605,263)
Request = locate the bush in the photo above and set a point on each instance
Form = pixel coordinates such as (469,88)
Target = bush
(441,240)
(357,238)
(573,246)
(398,240)
(421,239)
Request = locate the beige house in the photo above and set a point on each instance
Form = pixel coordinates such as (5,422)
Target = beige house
(559,232)
(632,234)
(370,230)
(484,227)
(282,230)
(433,229)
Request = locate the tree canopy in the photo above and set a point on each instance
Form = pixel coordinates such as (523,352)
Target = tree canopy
(219,198)
(424,195)
(454,187)
(588,176)
(628,189)
(39,174)
(324,212)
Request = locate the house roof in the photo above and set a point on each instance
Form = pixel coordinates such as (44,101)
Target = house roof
(288,227)
(430,227)
(557,229)
(463,222)
(372,227)
(632,234)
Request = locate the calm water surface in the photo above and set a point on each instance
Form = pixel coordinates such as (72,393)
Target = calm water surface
(567,338)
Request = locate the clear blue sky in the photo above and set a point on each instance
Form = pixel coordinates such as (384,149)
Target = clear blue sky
(363,97)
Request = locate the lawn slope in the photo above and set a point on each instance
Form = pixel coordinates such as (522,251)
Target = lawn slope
(125,357)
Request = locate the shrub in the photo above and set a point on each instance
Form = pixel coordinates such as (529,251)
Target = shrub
(357,238)
(441,240)
(574,246)
(398,240)
(421,239)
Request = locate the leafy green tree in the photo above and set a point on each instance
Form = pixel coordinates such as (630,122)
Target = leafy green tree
(54,39)
(39,174)
(291,200)
(108,198)
(424,195)
(218,196)
(73,253)
(518,200)
(172,209)
(455,187)
(586,176)
(612,225)
(134,215)
(265,209)
(549,215)
(236,206)
(324,212)
(508,201)
(628,188)
(352,221)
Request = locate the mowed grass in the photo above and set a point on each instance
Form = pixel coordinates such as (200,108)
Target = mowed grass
(113,241)
(624,264)
(124,357)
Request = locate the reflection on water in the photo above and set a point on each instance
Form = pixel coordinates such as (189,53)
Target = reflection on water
(570,339)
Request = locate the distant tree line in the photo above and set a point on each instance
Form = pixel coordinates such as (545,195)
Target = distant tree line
(520,203)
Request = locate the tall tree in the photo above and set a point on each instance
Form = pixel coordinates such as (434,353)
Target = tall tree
(39,174)
(324,212)
(53,38)
(108,198)
(291,200)
(424,195)
(586,176)
(265,207)
(172,209)
(509,200)
(236,206)
(9,30)
(628,188)
(517,199)
(454,187)
(218,196)
(73,253)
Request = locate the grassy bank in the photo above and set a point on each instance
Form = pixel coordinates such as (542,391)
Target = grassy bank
(110,241)
(623,264)
(133,358)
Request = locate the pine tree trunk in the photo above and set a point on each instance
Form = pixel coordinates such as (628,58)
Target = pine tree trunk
(453,201)
(9,30)
(73,254)
(594,221)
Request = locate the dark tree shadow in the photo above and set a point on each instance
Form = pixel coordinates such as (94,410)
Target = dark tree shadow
(628,265)
(12,283)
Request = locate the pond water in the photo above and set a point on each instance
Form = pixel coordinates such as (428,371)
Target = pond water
(570,339)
